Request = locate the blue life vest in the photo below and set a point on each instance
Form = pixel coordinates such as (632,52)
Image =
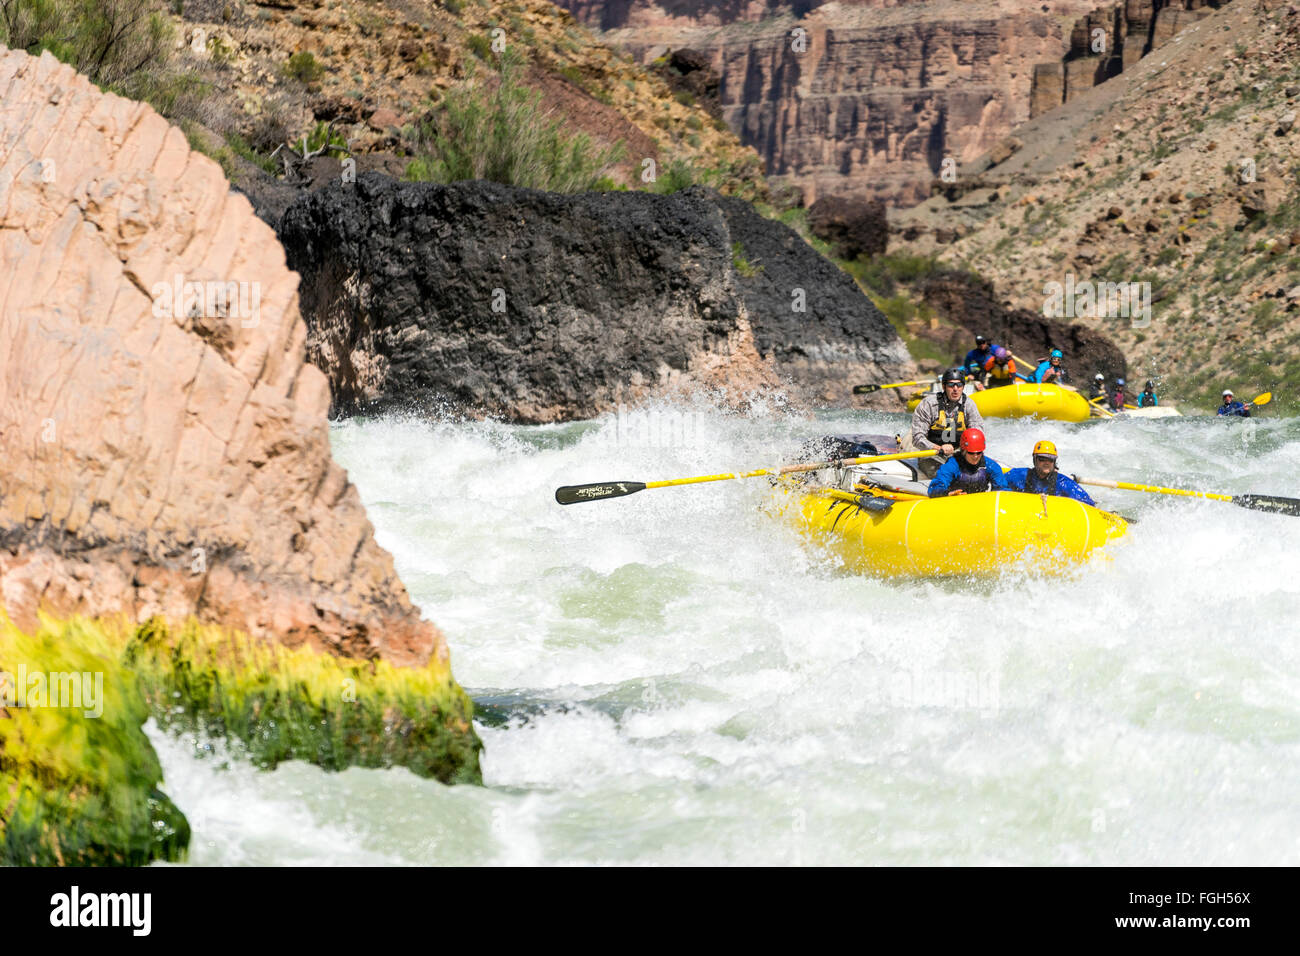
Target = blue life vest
(957,474)
(1148,400)
(1236,408)
(1062,486)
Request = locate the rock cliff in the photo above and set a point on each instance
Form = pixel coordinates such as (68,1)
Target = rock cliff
(541,307)
(164,445)
(1175,175)
(869,97)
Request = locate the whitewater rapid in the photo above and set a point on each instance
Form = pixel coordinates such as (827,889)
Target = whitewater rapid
(674,678)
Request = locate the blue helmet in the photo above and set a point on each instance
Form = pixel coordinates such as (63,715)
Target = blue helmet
(1057,353)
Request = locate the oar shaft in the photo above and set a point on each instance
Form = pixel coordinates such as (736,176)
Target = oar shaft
(790,469)
(1155,489)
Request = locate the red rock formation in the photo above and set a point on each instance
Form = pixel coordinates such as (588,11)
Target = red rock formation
(1109,40)
(886,89)
(882,92)
(162,453)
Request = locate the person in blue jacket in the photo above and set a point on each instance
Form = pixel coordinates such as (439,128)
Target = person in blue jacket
(969,471)
(975,359)
(1044,479)
(1148,397)
(1050,370)
(1231,406)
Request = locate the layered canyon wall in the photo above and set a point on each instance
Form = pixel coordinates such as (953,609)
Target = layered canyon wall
(869,97)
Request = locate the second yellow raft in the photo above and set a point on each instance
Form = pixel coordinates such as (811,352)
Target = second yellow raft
(979,535)
(1022,401)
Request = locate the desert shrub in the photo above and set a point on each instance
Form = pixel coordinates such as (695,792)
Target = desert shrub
(302,66)
(675,177)
(107,40)
(496,130)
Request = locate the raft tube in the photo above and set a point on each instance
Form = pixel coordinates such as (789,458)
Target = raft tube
(979,535)
(1022,401)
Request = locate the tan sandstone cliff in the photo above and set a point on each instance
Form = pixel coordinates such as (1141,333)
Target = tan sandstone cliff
(165,453)
(880,92)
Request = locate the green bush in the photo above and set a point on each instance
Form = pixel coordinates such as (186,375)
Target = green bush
(316,139)
(678,175)
(741,264)
(302,66)
(107,40)
(480,46)
(498,131)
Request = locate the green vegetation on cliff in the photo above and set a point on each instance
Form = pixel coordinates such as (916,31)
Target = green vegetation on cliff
(78,789)
(79,780)
(495,129)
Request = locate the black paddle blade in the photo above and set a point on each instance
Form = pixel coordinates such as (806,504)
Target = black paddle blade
(572,494)
(865,389)
(1273,503)
(876,505)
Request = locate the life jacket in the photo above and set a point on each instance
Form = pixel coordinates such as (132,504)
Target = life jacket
(971,479)
(1002,371)
(947,428)
(1147,399)
(1040,486)
(1043,367)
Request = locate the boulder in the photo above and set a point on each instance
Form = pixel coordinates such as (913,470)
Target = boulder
(558,307)
(853,226)
(164,445)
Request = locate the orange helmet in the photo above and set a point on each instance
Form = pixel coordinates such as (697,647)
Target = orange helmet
(1044,448)
(972,439)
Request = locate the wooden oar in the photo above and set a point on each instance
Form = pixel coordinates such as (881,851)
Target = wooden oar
(868,389)
(572,494)
(1270,503)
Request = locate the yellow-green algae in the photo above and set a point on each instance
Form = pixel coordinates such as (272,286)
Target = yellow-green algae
(78,789)
(278,704)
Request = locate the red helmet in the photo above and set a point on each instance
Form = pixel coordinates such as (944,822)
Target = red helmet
(972,439)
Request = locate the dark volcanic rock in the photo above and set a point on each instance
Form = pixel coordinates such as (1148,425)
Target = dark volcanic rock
(854,226)
(840,322)
(970,301)
(542,307)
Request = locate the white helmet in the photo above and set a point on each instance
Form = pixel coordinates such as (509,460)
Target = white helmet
(1227,392)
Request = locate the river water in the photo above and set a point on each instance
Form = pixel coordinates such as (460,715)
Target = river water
(674,678)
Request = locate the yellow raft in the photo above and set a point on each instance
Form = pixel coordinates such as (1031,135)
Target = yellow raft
(1022,401)
(978,535)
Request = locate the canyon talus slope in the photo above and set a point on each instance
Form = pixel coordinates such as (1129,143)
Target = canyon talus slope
(159,454)
(1179,173)
(884,90)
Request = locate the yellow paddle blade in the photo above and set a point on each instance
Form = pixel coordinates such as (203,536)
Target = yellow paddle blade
(1263,399)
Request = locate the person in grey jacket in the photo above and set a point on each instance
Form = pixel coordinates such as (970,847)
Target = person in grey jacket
(940,419)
